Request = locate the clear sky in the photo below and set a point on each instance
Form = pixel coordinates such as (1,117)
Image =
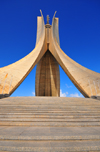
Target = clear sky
(79,32)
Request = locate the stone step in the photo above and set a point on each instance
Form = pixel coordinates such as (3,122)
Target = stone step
(47,120)
(58,114)
(63,105)
(49,132)
(46,110)
(49,124)
(52,109)
(53,114)
(77,115)
(50,105)
(50,146)
(50,138)
(47,117)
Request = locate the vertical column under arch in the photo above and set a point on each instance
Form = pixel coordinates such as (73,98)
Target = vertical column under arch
(47,76)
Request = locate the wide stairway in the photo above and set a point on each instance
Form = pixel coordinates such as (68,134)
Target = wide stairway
(49,124)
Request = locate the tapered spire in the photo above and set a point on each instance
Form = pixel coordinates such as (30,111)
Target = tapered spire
(48,18)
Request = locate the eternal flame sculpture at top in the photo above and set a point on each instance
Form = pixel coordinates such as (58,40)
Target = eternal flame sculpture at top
(48,55)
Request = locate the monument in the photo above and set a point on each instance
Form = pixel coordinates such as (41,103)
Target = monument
(52,124)
(48,55)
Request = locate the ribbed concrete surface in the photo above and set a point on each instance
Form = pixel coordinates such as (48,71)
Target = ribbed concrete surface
(50,124)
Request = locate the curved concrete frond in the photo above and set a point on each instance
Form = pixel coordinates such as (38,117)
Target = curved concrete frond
(13,75)
(86,81)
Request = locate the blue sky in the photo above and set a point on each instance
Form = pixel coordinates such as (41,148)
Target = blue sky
(79,32)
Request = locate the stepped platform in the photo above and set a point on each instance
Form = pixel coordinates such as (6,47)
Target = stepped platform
(51,124)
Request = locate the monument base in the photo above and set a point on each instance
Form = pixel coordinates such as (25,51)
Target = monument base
(4,96)
(95,97)
(38,124)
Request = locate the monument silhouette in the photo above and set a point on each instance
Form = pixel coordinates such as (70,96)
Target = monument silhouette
(48,55)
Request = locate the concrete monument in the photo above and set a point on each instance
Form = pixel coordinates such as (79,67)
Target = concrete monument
(48,55)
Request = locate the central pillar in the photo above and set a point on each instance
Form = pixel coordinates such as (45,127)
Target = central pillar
(47,82)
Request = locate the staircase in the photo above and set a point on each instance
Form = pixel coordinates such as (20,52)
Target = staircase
(50,124)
